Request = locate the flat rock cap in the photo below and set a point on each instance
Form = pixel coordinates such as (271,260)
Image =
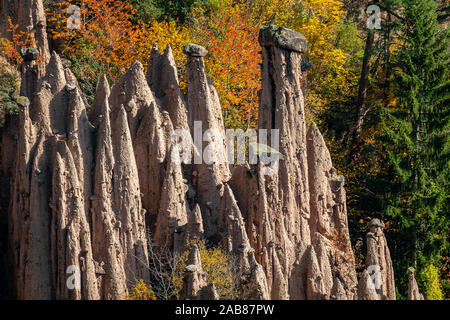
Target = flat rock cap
(195,50)
(274,36)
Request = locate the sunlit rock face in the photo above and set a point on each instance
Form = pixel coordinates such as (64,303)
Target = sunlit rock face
(378,261)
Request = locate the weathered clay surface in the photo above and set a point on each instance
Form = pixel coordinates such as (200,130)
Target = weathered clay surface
(162,77)
(284,197)
(70,233)
(316,282)
(366,288)
(96,111)
(147,130)
(126,198)
(173,211)
(107,250)
(194,228)
(254,284)
(101,234)
(208,293)
(338,291)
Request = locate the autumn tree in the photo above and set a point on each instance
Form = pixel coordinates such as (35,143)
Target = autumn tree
(19,39)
